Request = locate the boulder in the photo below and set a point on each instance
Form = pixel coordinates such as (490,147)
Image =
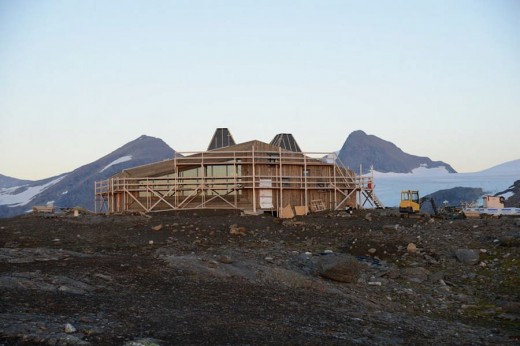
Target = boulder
(225,259)
(69,328)
(341,268)
(467,256)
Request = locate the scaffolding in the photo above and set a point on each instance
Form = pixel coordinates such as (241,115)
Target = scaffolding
(255,180)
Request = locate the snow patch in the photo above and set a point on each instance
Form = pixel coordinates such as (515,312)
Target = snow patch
(419,171)
(388,186)
(507,194)
(504,168)
(116,162)
(8,196)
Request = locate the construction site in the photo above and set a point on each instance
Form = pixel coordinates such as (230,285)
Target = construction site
(256,243)
(254,177)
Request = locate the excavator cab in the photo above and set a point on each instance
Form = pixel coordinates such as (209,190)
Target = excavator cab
(410,202)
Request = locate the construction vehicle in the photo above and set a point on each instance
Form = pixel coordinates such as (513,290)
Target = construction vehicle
(411,203)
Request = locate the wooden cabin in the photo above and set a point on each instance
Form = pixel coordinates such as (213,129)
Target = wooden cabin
(254,176)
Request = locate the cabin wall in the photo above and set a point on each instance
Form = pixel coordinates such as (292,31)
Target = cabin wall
(283,178)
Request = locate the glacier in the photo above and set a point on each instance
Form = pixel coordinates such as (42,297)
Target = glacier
(493,180)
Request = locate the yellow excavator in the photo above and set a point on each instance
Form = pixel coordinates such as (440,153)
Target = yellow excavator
(411,203)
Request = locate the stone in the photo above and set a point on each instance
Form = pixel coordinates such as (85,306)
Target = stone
(341,268)
(69,328)
(158,227)
(225,259)
(368,217)
(467,256)
(236,230)
(372,251)
(411,248)
(390,228)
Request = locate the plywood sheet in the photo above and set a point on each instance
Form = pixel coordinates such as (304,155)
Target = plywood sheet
(286,212)
(301,210)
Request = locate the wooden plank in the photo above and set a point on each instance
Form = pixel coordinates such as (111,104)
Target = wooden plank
(286,212)
(301,210)
(42,209)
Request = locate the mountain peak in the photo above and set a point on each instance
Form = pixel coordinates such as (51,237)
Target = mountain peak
(75,188)
(358,133)
(384,156)
(145,137)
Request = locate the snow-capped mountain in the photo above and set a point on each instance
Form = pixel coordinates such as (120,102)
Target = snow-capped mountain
(76,188)
(504,168)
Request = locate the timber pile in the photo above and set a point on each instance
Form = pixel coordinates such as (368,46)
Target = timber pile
(43,209)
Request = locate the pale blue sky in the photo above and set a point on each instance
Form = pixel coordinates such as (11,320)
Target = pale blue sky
(80,78)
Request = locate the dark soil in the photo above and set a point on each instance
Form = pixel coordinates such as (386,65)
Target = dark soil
(184,278)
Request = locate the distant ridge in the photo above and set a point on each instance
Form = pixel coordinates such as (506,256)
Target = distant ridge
(369,150)
(6,181)
(506,167)
(77,187)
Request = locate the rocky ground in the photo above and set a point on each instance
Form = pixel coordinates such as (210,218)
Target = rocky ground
(370,278)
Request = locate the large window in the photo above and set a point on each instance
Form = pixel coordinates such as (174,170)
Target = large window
(219,179)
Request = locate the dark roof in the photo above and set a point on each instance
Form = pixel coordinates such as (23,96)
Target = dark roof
(286,141)
(221,139)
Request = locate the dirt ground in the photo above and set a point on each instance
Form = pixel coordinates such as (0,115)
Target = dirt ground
(221,278)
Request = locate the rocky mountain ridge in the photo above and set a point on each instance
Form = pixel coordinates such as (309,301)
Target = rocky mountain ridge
(384,156)
(76,188)
(512,194)
(6,181)
(458,195)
